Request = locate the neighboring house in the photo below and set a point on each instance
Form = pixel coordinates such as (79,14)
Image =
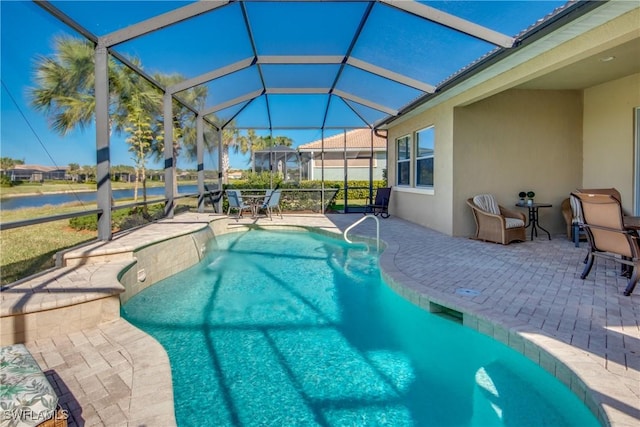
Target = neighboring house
(279,159)
(235,174)
(559,112)
(357,149)
(36,173)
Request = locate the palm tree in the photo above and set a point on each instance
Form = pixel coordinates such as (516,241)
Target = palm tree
(140,142)
(250,142)
(184,121)
(230,139)
(64,91)
(65,84)
(74,170)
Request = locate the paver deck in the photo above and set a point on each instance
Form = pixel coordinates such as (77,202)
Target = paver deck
(114,374)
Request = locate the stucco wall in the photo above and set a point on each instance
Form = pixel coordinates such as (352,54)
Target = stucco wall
(428,207)
(354,172)
(525,139)
(518,140)
(609,136)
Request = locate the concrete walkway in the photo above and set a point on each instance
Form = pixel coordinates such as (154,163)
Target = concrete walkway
(116,375)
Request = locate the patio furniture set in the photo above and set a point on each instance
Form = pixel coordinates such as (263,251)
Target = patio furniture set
(595,214)
(254,203)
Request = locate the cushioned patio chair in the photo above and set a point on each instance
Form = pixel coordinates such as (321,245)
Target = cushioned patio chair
(380,205)
(607,236)
(495,223)
(235,202)
(573,215)
(27,397)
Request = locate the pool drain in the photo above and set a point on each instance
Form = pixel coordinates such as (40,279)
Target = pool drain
(468,292)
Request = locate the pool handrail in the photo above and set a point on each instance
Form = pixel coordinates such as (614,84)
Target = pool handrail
(358,222)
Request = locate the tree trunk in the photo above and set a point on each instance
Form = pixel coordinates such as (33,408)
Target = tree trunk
(135,186)
(225,164)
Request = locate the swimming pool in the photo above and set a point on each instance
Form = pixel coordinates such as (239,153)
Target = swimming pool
(294,328)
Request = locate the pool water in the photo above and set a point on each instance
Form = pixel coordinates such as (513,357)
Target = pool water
(293,328)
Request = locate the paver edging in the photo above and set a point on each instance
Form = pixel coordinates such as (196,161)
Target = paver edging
(515,334)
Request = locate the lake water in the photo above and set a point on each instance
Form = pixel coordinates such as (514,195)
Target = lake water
(85,197)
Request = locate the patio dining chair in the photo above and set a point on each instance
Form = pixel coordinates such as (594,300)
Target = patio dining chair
(572,212)
(271,202)
(494,223)
(380,205)
(608,238)
(235,202)
(214,196)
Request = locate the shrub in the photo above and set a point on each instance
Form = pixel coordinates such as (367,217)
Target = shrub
(121,219)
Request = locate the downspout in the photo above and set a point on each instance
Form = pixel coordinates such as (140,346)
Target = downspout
(376,131)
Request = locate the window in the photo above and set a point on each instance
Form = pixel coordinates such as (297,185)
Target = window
(404,160)
(424,157)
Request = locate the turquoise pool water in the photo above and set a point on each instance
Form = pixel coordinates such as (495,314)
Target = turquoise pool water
(291,329)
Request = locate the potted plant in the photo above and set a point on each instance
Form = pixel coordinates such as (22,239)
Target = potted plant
(522,195)
(530,195)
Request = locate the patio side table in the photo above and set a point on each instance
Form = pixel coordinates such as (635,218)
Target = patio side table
(533,217)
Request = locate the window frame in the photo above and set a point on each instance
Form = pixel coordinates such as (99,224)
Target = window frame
(417,157)
(407,160)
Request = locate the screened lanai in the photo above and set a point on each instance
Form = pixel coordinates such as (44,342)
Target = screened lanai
(278,67)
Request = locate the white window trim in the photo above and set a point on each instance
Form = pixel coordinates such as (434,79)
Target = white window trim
(416,158)
(429,191)
(409,160)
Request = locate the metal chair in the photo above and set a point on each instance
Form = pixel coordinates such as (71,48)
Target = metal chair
(271,202)
(380,205)
(235,202)
(608,238)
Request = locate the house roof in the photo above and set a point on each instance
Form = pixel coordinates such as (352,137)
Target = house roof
(355,140)
(39,168)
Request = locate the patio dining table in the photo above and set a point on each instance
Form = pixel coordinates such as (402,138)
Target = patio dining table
(631,222)
(255,201)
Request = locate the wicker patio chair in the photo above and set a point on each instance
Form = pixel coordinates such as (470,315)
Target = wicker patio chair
(494,223)
(608,238)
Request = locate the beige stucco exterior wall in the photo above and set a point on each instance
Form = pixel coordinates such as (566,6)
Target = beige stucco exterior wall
(609,136)
(428,207)
(518,140)
(540,144)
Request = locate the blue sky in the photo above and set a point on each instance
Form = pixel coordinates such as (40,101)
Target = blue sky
(27,31)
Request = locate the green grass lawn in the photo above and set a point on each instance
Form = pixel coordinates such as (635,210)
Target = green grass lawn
(27,250)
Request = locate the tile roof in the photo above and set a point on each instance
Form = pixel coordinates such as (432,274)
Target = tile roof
(357,139)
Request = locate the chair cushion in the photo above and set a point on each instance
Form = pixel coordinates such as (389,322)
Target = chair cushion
(26,395)
(487,203)
(575,210)
(513,222)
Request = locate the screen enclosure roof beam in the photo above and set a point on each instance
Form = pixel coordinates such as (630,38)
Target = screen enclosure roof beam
(388,74)
(161,21)
(452,21)
(366,103)
(211,75)
(235,101)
